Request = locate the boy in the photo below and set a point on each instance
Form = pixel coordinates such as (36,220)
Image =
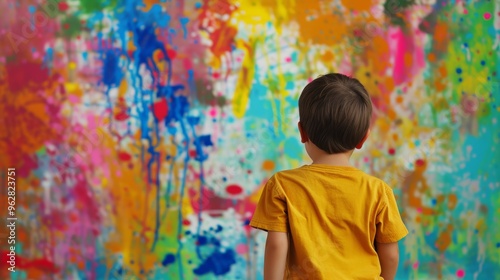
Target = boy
(329,220)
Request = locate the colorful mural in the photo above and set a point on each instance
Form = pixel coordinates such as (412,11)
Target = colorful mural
(143,131)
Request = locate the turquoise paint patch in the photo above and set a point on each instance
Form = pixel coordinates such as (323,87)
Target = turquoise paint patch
(259,103)
(293,148)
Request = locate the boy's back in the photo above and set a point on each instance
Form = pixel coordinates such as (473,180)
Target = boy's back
(333,215)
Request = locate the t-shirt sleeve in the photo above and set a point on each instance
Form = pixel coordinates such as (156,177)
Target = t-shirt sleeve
(390,226)
(271,212)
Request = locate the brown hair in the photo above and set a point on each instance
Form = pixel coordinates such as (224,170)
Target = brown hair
(335,112)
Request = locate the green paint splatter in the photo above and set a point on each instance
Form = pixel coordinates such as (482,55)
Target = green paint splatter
(393,10)
(96,6)
(71,27)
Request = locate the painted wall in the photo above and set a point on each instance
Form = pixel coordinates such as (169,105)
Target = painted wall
(143,131)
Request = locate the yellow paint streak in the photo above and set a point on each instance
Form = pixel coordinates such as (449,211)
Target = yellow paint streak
(122,89)
(252,14)
(73,88)
(245,78)
(281,10)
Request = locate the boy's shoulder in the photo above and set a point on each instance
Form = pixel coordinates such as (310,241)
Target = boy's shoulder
(307,171)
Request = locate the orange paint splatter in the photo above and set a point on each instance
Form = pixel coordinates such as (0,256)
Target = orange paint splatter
(268,165)
(444,239)
(431,57)
(399,99)
(357,5)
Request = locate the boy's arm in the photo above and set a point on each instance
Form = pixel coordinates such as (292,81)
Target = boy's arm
(275,255)
(388,255)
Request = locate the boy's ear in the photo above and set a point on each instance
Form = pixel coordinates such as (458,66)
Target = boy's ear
(303,134)
(360,144)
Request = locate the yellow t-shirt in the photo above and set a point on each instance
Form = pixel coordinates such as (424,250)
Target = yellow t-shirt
(333,215)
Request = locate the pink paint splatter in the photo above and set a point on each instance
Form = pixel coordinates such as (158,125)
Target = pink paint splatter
(73,99)
(487,16)
(241,249)
(415,265)
(460,273)
(213,112)
(187,64)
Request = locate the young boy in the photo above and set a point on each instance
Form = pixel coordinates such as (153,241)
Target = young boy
(329,220)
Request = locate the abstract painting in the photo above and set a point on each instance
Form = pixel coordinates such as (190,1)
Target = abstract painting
(141,132)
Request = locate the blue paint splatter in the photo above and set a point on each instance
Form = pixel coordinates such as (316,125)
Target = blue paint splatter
(48,59)
(111,72)
(193,120)
(218,263)
(219,228)
(184,21)
(202,240)
(168,259)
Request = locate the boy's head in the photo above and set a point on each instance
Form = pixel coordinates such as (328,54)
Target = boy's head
(335,112)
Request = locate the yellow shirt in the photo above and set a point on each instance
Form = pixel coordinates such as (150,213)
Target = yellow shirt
(333,215)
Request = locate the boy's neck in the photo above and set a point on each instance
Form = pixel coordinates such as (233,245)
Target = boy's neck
(334,160)
(341,159)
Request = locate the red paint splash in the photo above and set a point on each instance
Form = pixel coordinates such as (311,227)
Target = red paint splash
(25,74)
(420,162)
(160,109)
(171,54)
(192,153)
(63,6)
(124,156)
(22,263)
(121,116)
(234,189)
